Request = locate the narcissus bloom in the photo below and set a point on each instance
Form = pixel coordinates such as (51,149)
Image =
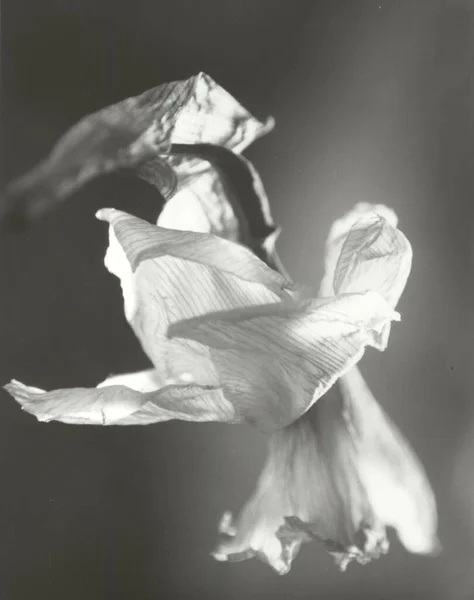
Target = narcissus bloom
(233,340)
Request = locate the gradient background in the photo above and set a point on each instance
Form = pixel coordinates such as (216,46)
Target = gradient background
(374,101)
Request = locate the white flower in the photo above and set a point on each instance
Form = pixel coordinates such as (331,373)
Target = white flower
(233,340)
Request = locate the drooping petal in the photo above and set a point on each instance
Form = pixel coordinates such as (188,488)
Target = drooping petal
(309,490)
(135,134)
(120,405)
(396,483)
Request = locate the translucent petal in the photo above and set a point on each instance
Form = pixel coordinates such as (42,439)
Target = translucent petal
(120,405)
(309,490)
(375,243)
(396,483)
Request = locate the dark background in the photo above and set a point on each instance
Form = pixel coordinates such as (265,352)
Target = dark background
(374,101)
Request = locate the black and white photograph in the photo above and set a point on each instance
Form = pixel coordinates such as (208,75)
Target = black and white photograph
(237,300)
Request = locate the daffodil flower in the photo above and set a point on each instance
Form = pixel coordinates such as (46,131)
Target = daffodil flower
(233,340)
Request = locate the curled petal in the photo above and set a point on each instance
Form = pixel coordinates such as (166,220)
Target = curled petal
(135,134)
(142,241)
(120,405)
(365,250)
(226,195)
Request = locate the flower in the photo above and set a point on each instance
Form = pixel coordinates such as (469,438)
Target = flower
(230,338)
(233,340)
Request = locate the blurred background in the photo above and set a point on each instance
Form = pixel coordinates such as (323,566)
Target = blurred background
(374,102)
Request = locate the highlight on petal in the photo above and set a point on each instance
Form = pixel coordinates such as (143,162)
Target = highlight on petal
(309,490)
(396,483)
(275,361)
(178,281)
(135,134)
(120,405)
(142,241)
(365,250)
(339,475)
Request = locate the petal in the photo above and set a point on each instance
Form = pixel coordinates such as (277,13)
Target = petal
(365,250)
(275,361)
(142,241)
(201,204)
(396,483)
(120,405)
(309,490)
(212,116)
(123,135)
(132,134)
(221,192)
(225,181)
(141,381)
(181,282)
(375,256)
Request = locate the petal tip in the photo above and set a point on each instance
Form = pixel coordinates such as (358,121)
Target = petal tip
(105,214)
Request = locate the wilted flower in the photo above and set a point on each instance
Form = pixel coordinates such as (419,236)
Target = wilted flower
(233,340)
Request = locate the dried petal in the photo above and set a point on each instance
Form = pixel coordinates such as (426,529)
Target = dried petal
(120,405)
(137,134)
(396,483)
(309,490)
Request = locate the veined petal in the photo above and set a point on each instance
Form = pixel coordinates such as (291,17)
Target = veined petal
(365,250)
(182,282)
(142,241)
(396,483)
(375,256)
(274,366)
(309,490)
(137,134)
(120,405)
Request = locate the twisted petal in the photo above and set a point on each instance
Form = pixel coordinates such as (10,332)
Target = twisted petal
(137,134)
(220,192)
(120,405)
(365,250)
(377,255)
